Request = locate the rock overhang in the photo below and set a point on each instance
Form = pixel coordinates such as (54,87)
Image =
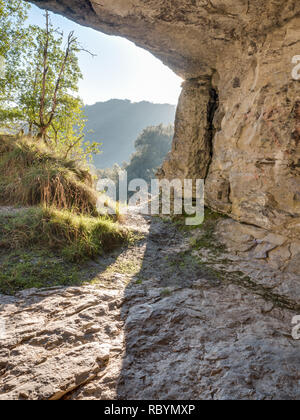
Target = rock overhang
(187,35)
(249,149)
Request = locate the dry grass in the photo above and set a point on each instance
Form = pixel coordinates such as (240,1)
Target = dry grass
(31,174)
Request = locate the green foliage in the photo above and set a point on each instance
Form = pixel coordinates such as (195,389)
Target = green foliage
(42,246)
(13,38)
(66,134)
(165,293)
(39,93)
(151,148)
(206,238)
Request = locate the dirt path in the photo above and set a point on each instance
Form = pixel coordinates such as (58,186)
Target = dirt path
(162,320)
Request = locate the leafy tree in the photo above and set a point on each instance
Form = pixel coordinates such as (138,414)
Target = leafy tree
(152,147)
(50,77)
(46,93)
(13,41)
(67,133)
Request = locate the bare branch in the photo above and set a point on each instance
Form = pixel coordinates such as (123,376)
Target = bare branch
(87,51)
(71,40)
(71,146)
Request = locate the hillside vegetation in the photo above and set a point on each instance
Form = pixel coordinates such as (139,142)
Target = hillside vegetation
(49,224)
(55,227)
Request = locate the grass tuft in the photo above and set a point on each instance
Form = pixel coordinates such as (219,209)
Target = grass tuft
(32,174)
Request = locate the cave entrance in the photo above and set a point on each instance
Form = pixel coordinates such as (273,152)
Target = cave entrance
(124,88)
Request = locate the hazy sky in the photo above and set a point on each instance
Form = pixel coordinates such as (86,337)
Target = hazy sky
(120,70)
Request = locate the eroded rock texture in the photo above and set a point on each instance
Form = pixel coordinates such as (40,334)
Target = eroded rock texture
(238,121)
(163,321)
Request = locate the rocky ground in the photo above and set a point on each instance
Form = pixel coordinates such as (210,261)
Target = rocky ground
(174,316)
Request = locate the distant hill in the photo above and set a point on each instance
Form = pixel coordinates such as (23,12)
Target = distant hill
(118,123)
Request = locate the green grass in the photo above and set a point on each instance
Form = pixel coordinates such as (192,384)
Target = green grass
(46,243)
(165,293)
(78,237)
(210,216)
(45,247)
(206,238)
(37,269)
(127,267)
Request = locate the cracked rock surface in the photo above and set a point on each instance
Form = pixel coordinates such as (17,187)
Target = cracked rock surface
(155,325)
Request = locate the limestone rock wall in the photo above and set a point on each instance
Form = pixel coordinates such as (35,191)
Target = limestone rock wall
(255,171)
(238,119)
(191,153)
